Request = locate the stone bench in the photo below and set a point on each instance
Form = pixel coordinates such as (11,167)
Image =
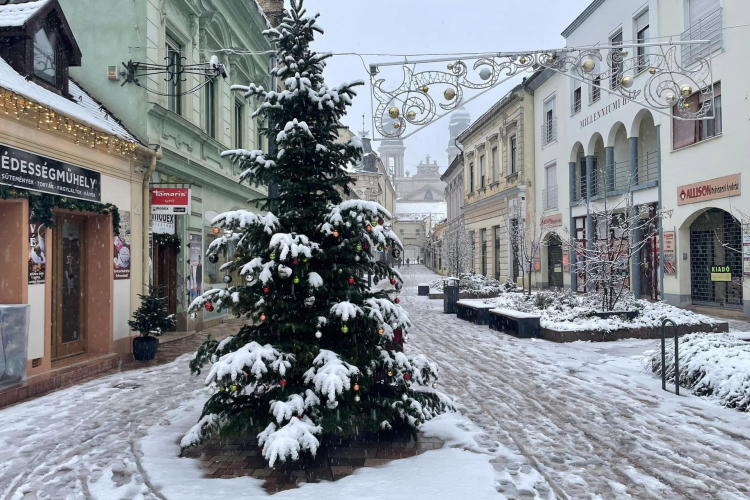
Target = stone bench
(476,311)
(423,289)
(522,325)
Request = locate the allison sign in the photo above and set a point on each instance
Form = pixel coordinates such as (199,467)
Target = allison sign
(22,169)
(721,187)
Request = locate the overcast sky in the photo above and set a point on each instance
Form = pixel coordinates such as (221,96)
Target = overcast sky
(432,26)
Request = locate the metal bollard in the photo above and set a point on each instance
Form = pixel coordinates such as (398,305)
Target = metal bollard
(676,357)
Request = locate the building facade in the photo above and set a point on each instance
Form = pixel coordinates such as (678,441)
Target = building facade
(194,123)
(497,176)
(72,212)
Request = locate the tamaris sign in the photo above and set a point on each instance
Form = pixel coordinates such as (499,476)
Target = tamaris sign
(170,201)
(22,169)
(721,187)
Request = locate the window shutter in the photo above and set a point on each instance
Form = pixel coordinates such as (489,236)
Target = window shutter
(698,9)
(641,22)
(684,131)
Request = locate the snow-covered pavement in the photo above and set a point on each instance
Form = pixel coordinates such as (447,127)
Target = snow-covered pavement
(586,415)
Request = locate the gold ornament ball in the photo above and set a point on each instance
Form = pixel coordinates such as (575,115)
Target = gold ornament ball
(588,65)
(686,105)
(425,89)
(396,125)
(686,90)
(356,387)
(410,115)
(652,71)
(626,81)
(624,53)
(522,60)
(393,112)
(390,373)
(381,331)
(450,66)
(449,94)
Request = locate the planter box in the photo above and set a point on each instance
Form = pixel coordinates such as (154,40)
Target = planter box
(477,312)
(631,315)
(144,348)
(436,294)
(522,325)
(627,333)
(423,289)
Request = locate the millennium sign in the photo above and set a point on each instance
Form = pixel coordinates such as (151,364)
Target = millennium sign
(605,111)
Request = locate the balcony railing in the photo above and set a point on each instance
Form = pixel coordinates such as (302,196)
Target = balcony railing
(549,198)
(575,106)
(549,131)
(579,189)
(707,28)
(618,177)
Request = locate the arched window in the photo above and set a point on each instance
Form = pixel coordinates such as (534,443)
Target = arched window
(428,195)
(45,56)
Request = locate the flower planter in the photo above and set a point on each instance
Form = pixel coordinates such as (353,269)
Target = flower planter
(630,315)
(144,348)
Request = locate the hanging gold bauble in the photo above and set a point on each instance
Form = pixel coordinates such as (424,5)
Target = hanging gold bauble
(522,60)
(393,112)
(626,81)
(410,115)
(588,65)
(396,125)
(425,89)
(686,90)
(686,105)
(449,94)
(652,71)
(450,66)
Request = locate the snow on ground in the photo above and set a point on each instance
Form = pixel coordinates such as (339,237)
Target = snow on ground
(586,415)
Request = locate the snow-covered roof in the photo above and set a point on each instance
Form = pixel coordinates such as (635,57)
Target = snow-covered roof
(83,108)
(16,14)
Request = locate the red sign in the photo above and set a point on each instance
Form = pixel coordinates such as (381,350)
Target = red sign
(722,187)
(170,200)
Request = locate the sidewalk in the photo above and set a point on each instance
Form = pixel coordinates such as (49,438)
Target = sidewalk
(87,367)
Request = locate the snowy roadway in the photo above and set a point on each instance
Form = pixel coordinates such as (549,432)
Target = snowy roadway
(586,415)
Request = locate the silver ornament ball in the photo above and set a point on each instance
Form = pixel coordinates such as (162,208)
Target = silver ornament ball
(318,334)
(485,73)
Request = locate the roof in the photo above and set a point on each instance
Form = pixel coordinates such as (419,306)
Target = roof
(482,120)
(83,108)
(458,160)
(538,78)
(17,14)
(581,18)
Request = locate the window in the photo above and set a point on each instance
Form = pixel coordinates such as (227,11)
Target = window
(549,128)
(484,252)
(494,164)
(417,232)
(596,89)
(641,27)
(259,131)
(616,66)
(174,85)
(687,132)
(513,166)
(401,232)
(45,56)
(549,196)
(481,170)
(497,252)
(209,108)
(703,21)
(576,105)
(239,117)
(471,177)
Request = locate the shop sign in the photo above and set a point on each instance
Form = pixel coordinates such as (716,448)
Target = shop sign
(37,253)
(604,111)
(162,224)
(170,200)
(721,273)
(721,187)
(746,250)
(22,169)
(552,220)
(566,263)
(122,248)
(670,253)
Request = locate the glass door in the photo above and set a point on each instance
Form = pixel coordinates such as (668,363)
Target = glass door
(69,294)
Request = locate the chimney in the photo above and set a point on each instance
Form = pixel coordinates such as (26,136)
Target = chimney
(273,9)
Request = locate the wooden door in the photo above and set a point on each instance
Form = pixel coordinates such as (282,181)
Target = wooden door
(165,273)
(69,286)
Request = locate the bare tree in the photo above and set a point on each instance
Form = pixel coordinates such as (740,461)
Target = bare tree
(604,262)
(457,248)
(526,238)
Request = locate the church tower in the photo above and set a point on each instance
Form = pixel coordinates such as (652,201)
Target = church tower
(460,121)
(392,152)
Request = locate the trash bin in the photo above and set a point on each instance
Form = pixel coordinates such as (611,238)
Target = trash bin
(450,296)
(14,332)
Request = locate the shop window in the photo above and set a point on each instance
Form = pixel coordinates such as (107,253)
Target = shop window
(484,252)
(497,252)
(687,132)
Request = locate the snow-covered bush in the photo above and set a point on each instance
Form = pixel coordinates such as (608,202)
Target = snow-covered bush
(479,285)
(711,364)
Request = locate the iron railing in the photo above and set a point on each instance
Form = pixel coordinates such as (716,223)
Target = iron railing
(575,106)
(549,198)
(618,177)
(707,28)
(549,131)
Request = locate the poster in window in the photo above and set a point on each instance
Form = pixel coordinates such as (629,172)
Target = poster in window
(670,253)
(37,255)
(196,267)
(746,249)
(122,248)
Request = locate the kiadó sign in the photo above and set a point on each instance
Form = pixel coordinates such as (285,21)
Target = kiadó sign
(22,169)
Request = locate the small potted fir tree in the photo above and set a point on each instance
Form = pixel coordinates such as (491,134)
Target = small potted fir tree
(151,319)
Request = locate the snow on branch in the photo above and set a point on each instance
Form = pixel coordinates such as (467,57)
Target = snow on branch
(329,375)
(252,358)
(295,405)
(289,440)
(238,220)
(295,245)
(346,310)
(197,433)
(291,129)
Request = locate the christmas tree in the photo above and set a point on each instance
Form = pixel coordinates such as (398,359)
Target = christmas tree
(323,356)
(152,317)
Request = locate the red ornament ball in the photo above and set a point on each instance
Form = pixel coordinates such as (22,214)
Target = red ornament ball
(294,262)
(381,221)
(397,300)
(351,281)
(209,307)
(242,311)
(366,247)
(393,281)
(282,382)
(407,376)
(266,289)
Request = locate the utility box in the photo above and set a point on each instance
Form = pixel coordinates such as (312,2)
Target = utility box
(14,334)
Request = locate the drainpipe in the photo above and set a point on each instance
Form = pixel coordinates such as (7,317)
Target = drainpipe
(155,155)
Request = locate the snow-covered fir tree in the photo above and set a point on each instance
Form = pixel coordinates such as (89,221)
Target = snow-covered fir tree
(323,356)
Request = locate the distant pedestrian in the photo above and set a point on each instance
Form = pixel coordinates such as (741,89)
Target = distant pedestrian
(407,262)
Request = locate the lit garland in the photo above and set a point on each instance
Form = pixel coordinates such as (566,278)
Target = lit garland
(12,103)
(41,206)
(167,239)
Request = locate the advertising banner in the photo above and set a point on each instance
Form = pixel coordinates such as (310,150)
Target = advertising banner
(122,248)
(22,169)
(162,224)
(37,256)
(746,250)
(670,253)
(196,267)
(170,201)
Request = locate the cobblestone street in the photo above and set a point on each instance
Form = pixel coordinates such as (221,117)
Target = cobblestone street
(586,415)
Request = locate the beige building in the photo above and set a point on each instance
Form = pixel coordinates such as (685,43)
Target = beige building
(370,180)
(498,169)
